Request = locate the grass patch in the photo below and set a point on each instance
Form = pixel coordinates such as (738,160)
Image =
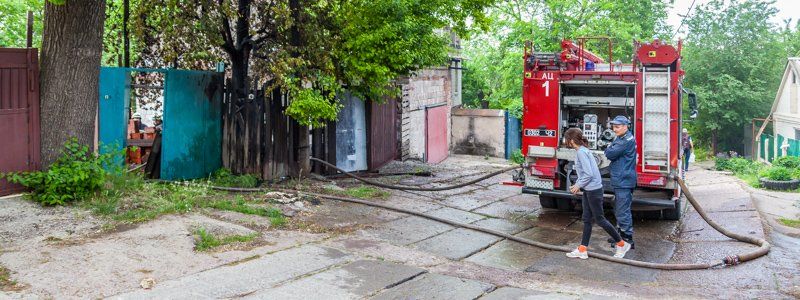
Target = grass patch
(6,283)
(366,192)
(790,222)
(129,199)
(224,177)
(207,241)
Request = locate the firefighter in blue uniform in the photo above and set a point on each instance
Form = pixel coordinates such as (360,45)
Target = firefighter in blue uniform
(622,153)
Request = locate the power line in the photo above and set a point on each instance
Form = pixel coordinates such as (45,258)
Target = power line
(683,19)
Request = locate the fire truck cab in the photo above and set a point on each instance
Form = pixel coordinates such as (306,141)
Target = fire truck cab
(578,89)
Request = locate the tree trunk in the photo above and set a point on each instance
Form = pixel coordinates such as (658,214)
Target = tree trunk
(303,146)
(714,142)
(72,46)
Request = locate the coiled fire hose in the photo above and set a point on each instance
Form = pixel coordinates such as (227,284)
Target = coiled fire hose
(763,245)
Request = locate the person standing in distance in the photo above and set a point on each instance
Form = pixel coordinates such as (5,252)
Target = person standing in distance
(622,153)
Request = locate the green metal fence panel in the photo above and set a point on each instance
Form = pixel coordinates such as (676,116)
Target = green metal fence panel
(767,147)
(779,150)
(192,129)
(794,148)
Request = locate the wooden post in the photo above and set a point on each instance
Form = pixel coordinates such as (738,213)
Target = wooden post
(29,43)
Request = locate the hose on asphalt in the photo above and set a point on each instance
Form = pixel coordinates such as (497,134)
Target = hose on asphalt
(763,245)
(413,188)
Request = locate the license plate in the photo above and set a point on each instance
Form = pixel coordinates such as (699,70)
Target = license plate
(540,132)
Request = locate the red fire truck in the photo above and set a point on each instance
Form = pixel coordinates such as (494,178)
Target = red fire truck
(577,88)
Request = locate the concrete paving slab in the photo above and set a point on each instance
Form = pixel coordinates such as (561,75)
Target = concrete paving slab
(457,244)
(508,208)
(752,275)
(515,256)
(456,215)
(408,230)
(355,280)
(647,249)
(412,204)
(503,225)
(742,222)
(469,201)
(592,269)
(730,202)
(436,286)
(512,293)
(243,278)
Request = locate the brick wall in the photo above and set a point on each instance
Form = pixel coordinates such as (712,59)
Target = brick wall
(427,87)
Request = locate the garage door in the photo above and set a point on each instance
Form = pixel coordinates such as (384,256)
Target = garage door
(436,133)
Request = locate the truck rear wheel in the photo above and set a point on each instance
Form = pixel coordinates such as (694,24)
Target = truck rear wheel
(547,202)
(673,214)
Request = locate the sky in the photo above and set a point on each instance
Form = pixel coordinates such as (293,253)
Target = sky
(786,9)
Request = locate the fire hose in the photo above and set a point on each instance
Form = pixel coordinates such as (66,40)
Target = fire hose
(763,245)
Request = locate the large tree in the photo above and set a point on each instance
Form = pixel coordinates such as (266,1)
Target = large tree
(733,59)
(309,48)
(72,45)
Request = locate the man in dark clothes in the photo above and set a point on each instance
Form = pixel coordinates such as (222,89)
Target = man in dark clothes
(622,153)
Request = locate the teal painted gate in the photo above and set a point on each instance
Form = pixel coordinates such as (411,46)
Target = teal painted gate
(192,134)
(192,129)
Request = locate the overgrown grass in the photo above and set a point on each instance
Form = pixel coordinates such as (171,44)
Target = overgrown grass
(224,177)
(129,199)
(207,241)
(790,222)
(782,169)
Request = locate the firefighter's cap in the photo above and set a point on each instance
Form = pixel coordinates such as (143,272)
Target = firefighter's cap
(620,120)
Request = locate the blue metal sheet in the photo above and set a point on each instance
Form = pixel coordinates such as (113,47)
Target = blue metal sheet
(113,108)
(351,134)
(513,135)
(192,130)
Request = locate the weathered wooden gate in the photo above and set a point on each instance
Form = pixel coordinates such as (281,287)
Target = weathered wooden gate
(19,114)
(382,132)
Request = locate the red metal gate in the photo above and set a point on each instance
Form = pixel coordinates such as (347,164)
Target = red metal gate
(382,130)
(19,113)
(436,145)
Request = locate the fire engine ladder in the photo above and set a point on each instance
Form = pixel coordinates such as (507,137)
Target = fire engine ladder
(656,119)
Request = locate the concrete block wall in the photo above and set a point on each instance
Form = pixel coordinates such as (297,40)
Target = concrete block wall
(427,87)
(478,132)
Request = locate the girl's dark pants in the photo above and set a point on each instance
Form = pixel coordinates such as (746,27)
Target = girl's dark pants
(592,204)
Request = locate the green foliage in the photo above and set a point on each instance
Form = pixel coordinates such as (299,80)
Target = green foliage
(312,51)
(789,162)
(14,22)
(207,241)
(113,43)
(738,165)
(77,174)
(494,59)
(733,59)
(517,157)
(224,177)
(776,173)
(311,108)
